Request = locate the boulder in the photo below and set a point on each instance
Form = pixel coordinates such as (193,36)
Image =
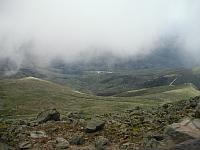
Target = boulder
(38,134)
(188,145)
(48,115)
(77,140)
(185,130)
(61,143)
(101,142)
(94,125)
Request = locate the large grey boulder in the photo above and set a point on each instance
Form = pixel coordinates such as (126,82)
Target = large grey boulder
(188,145)
(185,130)
(48,115)
(94,125)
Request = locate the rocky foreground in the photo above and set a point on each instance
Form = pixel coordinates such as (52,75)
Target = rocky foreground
(173,126)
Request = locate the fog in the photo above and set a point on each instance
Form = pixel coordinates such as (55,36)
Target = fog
(42,30)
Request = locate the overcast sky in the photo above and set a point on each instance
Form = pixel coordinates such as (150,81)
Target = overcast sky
(66,28)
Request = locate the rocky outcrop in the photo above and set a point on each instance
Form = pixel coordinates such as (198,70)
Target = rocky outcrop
(136,128)
(94,125)
(48,115)
(185,130)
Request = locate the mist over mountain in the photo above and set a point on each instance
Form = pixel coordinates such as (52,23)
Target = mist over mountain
(91,35)
(164,57)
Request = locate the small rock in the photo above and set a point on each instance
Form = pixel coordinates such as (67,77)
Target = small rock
(101,142)
(75,115)
(22,122)
(193,104)
(157,137)
(61,143)
(32,124)
(38,134)
(48,115)
(77,140)
(94,125)
(25,145)
(67,120)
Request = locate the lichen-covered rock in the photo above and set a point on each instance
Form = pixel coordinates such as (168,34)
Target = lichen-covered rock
(48,115)
(94,125)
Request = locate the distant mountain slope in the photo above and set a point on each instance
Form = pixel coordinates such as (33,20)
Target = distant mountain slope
(29,95)
(166,55)
(185,90)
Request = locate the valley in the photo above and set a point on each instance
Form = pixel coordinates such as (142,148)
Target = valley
(136,107)
(28,95)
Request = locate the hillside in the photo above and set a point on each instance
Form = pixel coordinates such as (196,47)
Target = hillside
(28,95)
(186,90)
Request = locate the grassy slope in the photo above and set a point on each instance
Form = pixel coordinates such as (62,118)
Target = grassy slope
(159,89)
(164,93)
(30,95)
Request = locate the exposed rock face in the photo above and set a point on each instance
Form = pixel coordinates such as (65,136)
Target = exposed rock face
(48,115)
(188,145)
(94,125)
(185,130)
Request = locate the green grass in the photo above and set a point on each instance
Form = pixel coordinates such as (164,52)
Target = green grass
(161,89)
(28,96)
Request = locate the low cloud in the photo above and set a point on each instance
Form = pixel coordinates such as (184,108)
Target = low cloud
(47,29)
